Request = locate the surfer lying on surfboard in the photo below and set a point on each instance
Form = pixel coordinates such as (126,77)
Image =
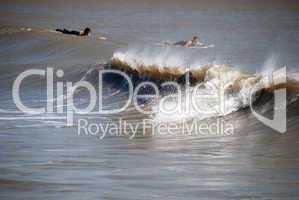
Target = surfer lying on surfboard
(193,43)
(85,32)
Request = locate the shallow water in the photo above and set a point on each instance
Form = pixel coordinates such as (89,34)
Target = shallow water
(41,158)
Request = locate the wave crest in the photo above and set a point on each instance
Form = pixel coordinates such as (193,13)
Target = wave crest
(236,84)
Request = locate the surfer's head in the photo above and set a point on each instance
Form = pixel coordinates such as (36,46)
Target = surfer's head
(195,40)
(86,31)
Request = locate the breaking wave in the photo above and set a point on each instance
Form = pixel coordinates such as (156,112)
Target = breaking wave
(240,89)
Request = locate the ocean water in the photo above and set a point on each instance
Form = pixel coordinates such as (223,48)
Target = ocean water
(42,157)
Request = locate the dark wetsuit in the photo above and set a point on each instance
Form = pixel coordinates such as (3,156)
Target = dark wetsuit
(180,43)
(65,31)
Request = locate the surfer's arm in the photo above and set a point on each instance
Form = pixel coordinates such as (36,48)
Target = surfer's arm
(189,43)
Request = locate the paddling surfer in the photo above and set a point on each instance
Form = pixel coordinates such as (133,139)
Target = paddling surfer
(186,43)
(194,42)
(85,32)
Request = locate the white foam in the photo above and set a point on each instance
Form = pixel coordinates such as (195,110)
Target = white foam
(159,57)
(236,86)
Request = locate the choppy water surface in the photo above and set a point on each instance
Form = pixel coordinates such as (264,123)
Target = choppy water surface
(42,158)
